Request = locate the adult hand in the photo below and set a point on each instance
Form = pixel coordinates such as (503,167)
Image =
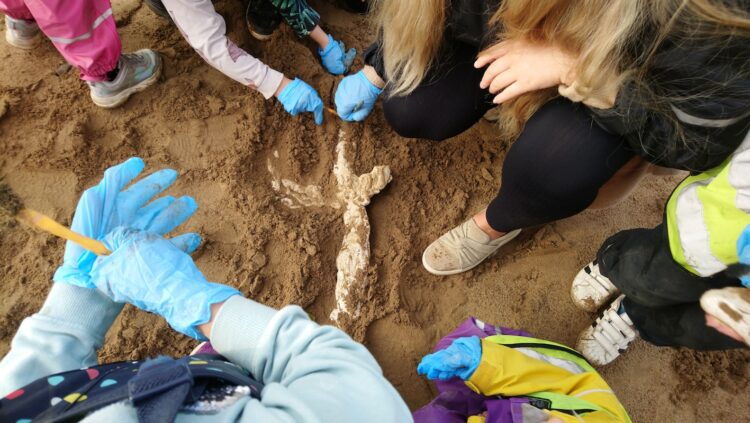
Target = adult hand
(335,58)
(355,97)
(518,66)
(298,97)
(154,275)
(109,205)
(460,359)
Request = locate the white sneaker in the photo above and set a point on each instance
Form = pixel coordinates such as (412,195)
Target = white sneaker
(608,337)
(591,290)
(461,249)
(21,33)
(137,71)
(732,307)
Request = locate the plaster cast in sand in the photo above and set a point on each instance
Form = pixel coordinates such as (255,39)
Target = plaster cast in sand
(353,194)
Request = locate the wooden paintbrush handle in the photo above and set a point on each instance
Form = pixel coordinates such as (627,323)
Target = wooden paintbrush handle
(37,220)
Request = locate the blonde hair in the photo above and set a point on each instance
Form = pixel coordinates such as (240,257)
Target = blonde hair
(412,34)
(614,40)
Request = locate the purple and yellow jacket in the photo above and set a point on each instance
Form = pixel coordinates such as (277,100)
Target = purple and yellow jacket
(521,379)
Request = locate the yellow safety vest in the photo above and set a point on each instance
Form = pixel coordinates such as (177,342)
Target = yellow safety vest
(707,213)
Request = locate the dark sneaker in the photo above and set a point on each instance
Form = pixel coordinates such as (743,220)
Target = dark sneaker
(356,6)
(262,19)
(137,71)
(157,7)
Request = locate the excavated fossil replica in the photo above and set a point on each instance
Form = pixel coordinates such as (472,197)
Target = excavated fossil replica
(353,193)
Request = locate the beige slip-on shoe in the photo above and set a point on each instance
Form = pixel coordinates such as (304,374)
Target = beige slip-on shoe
(461,249)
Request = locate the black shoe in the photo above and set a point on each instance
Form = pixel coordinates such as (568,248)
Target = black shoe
(158,7)
(356,6)
(262,19)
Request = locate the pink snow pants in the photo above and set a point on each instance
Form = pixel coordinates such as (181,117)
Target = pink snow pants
(83,31)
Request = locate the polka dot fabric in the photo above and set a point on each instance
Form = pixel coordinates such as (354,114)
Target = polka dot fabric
(62,390)
(61,393)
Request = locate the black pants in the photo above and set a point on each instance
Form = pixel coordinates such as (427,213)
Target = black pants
(661,297)
(553,170)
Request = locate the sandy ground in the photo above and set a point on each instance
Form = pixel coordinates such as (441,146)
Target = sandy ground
(54,143)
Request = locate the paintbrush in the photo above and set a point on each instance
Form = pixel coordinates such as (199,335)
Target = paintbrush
(12,210)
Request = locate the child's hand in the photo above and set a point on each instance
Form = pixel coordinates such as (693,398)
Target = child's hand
(335,58)
(116,202)
(517,67)
(460,359)
(715,323)
(158,276)
(298,97)
(355,97)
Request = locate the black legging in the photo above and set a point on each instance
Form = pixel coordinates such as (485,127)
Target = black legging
(552,171)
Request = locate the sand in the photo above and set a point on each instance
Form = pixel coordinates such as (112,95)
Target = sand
(10,205)
(54,143)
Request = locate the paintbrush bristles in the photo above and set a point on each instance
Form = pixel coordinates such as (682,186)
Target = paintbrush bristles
(10,205)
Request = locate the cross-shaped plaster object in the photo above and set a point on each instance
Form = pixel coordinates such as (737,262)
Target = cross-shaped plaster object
(353,194)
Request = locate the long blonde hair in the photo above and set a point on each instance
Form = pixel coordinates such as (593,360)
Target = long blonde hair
(613,39)
(412,33)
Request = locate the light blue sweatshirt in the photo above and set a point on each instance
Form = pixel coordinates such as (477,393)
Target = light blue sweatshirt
(311,373)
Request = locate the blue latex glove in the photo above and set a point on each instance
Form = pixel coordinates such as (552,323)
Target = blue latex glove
(108,205)
(460,359)
(298,97)
(743,251)
(335,58)
(149,272)
(355,97)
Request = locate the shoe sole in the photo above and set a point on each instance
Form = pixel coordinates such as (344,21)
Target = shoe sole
(33,42)
(455,272)
(261,37)
(729,311)
(121,98)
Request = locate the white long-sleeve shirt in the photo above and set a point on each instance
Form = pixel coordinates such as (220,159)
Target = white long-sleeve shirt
(205,30)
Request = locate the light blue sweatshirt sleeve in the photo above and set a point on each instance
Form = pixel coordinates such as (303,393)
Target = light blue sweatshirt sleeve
(311,373)
(64,335)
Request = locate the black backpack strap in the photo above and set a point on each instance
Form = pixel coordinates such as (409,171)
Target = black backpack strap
(159,389)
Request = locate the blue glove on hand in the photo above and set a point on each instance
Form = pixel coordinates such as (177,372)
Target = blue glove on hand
(743,251)
(152,274)
(334,58)
(109,205)
(460,359)
(355,97)
(298,97)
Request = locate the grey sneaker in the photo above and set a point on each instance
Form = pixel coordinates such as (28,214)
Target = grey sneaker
(21,33)
(462,249)
(138,71)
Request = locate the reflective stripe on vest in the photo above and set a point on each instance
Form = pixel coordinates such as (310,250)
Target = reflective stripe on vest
(707,213)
